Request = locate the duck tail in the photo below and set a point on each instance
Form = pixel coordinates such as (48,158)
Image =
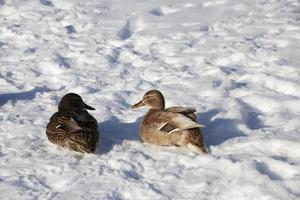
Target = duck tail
(196,148)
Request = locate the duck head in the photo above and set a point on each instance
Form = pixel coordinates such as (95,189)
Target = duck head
(153,99)
(73,102)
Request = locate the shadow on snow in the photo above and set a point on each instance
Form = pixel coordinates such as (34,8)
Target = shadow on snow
(114,132)
(17,96)
(216,131)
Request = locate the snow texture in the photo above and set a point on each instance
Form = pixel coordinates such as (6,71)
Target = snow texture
(236,61)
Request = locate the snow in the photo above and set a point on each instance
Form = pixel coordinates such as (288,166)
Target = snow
(237,62)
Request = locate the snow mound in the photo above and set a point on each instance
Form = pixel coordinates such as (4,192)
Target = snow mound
(237,62)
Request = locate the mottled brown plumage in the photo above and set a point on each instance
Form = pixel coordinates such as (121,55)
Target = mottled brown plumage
(172,126)
(72,126)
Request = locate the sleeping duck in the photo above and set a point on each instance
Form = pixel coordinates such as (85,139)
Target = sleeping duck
(72,126)
(169,126)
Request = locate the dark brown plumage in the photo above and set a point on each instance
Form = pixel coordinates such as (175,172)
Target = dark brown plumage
(72,126)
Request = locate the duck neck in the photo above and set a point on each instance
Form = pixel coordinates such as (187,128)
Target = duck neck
(153,110)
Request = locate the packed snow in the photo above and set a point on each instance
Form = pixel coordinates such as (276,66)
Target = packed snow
(236,61)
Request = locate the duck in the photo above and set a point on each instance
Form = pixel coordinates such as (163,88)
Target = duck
(173,126)
(72,126)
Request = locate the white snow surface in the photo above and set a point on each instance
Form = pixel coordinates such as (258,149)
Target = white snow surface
(236,61)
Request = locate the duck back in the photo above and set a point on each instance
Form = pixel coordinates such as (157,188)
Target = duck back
(76,131)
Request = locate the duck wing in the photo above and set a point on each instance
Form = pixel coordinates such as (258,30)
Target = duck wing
(187,111)
(86,122)
(54,130)
(65,121)
(183,110)
(65,131)
(174,121)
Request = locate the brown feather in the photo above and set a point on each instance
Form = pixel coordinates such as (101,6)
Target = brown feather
(171,126)
(64,130)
